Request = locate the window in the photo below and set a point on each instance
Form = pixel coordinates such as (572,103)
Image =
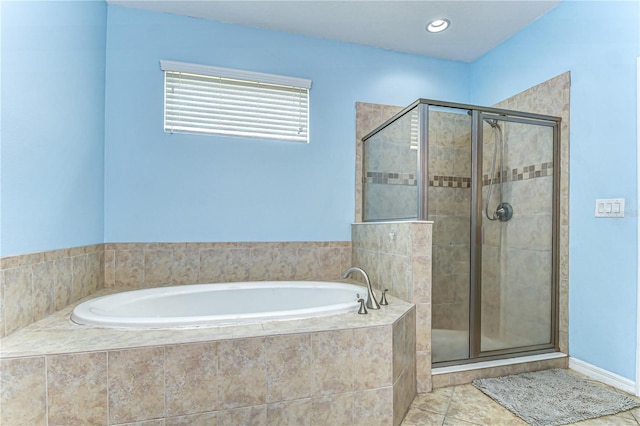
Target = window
(223,101)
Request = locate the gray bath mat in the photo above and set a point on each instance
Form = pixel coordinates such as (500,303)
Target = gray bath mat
(553,397)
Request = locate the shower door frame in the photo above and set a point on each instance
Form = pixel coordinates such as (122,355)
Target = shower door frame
(475,279)
(478,113)
(475,297)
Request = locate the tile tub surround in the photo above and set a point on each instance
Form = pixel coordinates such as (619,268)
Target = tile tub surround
(397,256)
(142,265)
(35,285)
(342,369)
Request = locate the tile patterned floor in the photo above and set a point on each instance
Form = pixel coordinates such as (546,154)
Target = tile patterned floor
(465,405)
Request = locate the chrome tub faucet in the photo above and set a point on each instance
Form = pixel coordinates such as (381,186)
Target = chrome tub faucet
(371,303)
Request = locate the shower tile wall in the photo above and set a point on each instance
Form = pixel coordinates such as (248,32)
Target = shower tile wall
(449,202)
(368,117)
(391,171)
(525,240)
(449,206)
(516,255)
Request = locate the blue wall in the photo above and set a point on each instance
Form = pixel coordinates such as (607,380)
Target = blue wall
(603,252)
(176,187)
(52,125)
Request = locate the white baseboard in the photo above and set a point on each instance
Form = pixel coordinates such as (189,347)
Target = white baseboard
(602,375)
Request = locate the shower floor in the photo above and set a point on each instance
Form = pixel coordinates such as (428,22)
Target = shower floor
(451,345)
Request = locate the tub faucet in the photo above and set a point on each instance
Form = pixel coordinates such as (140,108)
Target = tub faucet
(372,303)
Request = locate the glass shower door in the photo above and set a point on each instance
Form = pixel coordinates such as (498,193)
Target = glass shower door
(514,298)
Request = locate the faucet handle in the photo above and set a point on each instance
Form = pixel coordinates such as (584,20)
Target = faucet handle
(383,298)
(363,309)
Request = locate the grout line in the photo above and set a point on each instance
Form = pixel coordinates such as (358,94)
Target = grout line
(46,390)
(446,411)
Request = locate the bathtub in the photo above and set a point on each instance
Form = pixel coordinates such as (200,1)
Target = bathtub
(218,304)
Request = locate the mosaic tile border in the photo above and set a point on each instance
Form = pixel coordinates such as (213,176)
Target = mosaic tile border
(410,179)
(450,181)
(392,178)
(522,173)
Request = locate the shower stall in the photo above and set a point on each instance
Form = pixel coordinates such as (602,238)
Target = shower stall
(488,179)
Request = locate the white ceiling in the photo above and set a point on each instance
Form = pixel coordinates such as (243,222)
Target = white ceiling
(477,26)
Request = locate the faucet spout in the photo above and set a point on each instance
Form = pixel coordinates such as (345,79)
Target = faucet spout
(371,303)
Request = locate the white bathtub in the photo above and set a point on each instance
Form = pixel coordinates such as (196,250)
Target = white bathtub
(218,304)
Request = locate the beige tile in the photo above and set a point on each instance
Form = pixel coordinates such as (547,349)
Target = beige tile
(136,385)
(191,384)
(62,282)
(471,405)
(421,242)
(618,419)
(316,262)
(436,401)
(202,419)
(80,277)
(372,354)
(95,265)
(333,368)
(224,265)
(421,276)
(404,392)
(423,327)
(158,267)
(129,268)
(373,407)
(289,413)
(109,268)
(43,280)
(335,410)
(245,416)
(23,396)
(288,367)
(18,309)
(2,330)
(186,263)
(423,372)
(409,349)
(398,346)
(241,373)
(450,421)
(77,389)
(157,422)
(273,261)
(417,417)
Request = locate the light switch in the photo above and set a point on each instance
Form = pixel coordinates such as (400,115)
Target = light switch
(610,207)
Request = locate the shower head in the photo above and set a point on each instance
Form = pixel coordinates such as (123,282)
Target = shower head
(493,123)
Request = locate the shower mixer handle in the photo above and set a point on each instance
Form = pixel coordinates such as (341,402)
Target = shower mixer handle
(504,212)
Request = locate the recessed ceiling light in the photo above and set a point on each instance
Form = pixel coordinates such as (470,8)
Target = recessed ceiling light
(438,25)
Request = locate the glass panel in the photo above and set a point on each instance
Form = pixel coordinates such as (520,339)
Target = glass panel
(517,206)
(449,207)
(390,171)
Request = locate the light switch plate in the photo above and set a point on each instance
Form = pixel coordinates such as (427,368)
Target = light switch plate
(610,207)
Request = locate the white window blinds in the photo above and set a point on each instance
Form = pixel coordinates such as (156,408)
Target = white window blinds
(214,100)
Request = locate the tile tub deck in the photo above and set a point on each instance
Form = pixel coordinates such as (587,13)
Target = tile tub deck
(341,369)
